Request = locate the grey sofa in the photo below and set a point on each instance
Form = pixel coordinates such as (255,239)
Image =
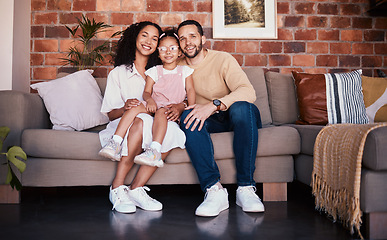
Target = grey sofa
(285,150)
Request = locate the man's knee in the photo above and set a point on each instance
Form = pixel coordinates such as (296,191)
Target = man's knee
(240,110)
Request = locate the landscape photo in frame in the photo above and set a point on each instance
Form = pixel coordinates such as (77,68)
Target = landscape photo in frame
(244,19)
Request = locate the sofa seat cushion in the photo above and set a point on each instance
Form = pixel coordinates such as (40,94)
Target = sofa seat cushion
(56,144)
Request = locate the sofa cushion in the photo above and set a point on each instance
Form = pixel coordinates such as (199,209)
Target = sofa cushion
(308,134)
(375,98)
(282,97)
(257,79)
(375,150)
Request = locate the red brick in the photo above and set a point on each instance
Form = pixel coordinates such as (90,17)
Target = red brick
(340,22)
(157,6)
(38,5)
(285,34)
(37,31)
(294,21)
(294,47)
(203,19)
(381,23)
(204,6)
(46,45)
(255,60)
(329,35)
(225,45)
(239,58)
(316,21)
(153,17)
(280,60)
(137,5)
(171,19)
(327,60)
(57,32)
(44,73)
(340,48)
(362,48)
(98,17)
(327,8)
(305,34)
(305,8)
(36,59)
(283,8)
(180,6)
(381,48)
(304,60)
(122,18)
(349,61)
(108,33)
(63,5)
(247,47)
(46,18)
(359,22)
(351,35)
(69,18)
(84,5)
(271,47)
(111,5)
(371,61)
(350,9)
(373,35)
(55,59)
(317,47)
(316,70)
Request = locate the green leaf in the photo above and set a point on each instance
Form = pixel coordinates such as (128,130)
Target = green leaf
(14,152)
(15,181)
(9,176)
(3,135)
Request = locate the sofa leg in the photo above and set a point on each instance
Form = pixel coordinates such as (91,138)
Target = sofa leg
(376,225)
(9,195)
(275,192)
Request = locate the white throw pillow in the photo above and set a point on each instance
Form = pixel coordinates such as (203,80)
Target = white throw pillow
(73,102)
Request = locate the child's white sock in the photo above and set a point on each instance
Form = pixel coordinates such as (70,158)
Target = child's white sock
(117,139)
(155,145)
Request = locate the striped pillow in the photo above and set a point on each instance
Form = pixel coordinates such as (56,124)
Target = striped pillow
(345,102)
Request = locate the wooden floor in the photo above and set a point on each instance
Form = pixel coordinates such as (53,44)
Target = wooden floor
(85,213)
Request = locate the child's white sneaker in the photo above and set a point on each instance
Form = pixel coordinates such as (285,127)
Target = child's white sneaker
(111,150)
(150,157)
(119,197)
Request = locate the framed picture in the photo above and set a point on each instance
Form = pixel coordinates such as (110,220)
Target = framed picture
(244,19)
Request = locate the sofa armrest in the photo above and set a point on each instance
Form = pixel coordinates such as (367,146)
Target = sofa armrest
(375,151)
(19,111)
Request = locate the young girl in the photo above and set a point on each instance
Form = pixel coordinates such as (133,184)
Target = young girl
(165,85)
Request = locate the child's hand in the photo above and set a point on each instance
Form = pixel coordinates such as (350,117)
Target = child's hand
(151,105)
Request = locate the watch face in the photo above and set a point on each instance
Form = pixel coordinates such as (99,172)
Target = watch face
(216,102)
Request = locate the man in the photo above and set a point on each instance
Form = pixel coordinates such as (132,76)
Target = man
(224,99)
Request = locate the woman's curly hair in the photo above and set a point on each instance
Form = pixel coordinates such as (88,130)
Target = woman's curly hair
(126,48)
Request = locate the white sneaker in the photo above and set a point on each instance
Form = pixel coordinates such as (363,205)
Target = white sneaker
(248,200)
(215,201)
(150,157)
(120,200)
(142,200)
(111,150)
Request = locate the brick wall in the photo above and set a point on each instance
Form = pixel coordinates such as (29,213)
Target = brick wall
(314,36)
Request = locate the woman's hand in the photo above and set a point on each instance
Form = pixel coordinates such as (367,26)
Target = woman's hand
(174,111)
(130,103)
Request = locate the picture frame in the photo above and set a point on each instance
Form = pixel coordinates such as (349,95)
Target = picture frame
(244,19)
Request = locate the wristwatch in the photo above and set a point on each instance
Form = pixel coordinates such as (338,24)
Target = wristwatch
(217,103)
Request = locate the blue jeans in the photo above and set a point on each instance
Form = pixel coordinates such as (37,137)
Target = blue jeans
(244,119)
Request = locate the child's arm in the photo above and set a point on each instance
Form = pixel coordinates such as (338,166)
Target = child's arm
(189,88)
(147,95)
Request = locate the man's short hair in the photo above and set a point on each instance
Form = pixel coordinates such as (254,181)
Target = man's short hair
(191,22)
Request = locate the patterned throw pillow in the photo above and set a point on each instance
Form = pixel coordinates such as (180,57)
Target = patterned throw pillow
(375,98)
(330,98)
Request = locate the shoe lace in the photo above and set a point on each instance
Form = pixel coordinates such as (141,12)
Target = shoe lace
(152,154)
(121,196)
(145,195)
(210,191)
(250,190)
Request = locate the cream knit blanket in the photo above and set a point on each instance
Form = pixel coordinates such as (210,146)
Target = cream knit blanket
(338,152)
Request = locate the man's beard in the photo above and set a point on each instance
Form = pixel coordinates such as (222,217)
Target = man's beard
(197,51)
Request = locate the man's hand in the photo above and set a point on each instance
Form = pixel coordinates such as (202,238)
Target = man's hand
(198,115)
(174,111)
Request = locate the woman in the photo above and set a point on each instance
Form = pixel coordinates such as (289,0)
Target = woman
(125,85)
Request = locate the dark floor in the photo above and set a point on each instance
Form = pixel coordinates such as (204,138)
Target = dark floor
(85,213)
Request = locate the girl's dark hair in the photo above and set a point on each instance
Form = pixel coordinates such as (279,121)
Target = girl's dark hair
(126,46)
(170,32)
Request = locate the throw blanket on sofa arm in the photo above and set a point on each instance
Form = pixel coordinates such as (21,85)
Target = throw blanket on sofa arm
(338,152)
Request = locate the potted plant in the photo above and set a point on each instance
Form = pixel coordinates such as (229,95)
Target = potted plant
(15,156)
(87,53)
